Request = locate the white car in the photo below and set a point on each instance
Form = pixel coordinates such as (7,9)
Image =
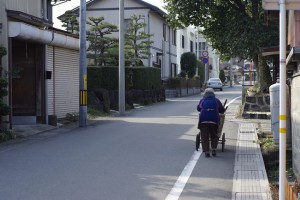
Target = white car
(215,83)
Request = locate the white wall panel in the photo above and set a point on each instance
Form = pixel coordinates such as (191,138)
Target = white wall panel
(66,72)
(31,7)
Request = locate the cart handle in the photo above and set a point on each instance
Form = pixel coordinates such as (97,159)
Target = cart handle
(225,104)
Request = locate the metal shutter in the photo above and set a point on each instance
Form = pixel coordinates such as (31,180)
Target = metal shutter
(63,88)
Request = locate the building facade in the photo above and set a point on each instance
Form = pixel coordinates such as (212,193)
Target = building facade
(163,50)
(42,63)
(190,40)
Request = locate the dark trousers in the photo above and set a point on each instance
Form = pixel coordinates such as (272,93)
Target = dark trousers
(209,133)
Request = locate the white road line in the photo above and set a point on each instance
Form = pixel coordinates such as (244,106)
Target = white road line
(184,177)
(232,101)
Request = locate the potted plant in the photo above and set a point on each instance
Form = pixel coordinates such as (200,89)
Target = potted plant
(253,90)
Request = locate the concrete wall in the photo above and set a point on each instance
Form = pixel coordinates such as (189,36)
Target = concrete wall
(295,121)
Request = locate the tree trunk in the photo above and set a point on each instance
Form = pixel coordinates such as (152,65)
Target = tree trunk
(265,79)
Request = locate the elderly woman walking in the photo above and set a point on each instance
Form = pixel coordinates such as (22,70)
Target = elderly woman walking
(209,120)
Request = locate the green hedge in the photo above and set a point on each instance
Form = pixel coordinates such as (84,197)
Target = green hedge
(139,78)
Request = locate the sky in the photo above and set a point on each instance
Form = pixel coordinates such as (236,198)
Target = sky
(62,8)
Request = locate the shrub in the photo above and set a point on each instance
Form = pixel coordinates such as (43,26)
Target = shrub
(188,62)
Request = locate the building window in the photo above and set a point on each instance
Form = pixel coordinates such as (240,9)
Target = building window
(174,37)
(182,41)
(203,46)
(191,46)
(127,24)
(173,70)
(165,32)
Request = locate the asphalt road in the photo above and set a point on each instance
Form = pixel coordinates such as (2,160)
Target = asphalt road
(136,157)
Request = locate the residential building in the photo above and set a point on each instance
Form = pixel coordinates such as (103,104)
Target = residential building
(42,63)
(190,40)
(163,50)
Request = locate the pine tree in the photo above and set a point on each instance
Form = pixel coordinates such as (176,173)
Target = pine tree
(138,42)
(99,42)
(69,21)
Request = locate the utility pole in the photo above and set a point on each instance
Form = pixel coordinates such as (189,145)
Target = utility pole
(83,76)
(121,60)
(282,103)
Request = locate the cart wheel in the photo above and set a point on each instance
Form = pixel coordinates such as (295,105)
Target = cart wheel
(223,142)
(197,141)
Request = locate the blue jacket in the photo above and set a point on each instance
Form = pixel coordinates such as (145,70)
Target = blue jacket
(209,108)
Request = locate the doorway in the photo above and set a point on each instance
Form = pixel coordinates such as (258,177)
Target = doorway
(28,82)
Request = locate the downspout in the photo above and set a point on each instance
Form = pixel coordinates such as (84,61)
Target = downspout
(149,56)
(45,13)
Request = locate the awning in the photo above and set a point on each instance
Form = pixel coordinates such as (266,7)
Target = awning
(28,32)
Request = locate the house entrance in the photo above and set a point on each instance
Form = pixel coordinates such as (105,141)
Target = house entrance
(27,82)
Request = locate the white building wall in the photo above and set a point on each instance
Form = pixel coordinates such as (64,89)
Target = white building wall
(191,34)
(31,7)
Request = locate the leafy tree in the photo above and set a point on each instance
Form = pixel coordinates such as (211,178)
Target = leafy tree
(137,42)
(69,21)
(188,63)
(222,75)
(234,28)
(99,42)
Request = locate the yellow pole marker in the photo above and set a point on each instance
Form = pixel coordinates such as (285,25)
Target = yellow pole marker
(282,117)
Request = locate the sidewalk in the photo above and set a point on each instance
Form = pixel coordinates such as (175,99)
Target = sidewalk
(250,181)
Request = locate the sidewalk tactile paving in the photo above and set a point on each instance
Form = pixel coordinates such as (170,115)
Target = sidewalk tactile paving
(246,147)
(250,179)
(246,159)
(247,136)
(247,196)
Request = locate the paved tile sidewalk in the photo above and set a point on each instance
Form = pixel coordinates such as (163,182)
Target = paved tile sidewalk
(250,181)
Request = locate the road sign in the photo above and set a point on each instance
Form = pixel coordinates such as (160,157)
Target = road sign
(205,60)
(204,53)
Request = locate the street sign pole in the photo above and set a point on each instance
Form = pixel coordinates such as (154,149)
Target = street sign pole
(83,70)
(206,69)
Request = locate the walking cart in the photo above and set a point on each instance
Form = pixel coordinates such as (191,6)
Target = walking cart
(220,134)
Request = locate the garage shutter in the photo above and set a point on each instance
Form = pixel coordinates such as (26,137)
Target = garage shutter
(63,96)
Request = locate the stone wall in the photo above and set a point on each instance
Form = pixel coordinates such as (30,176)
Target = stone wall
(171,93)
(257,107)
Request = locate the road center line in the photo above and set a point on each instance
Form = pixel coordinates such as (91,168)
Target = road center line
(184,177)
